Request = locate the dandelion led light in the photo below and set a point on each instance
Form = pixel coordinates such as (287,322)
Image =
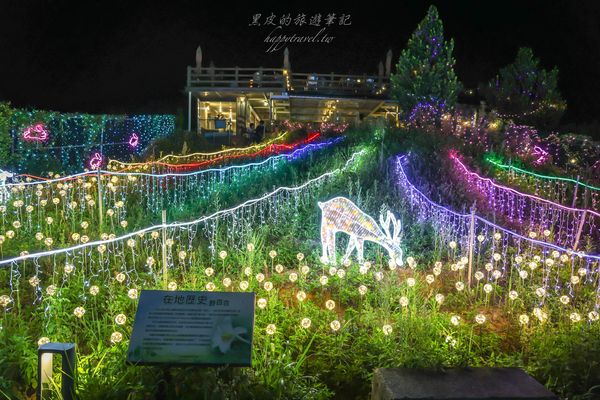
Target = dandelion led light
(342,215)
(540,255)
(155,190)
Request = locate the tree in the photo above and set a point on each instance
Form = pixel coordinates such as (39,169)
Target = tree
(526,93)
(5,138)
(424,74)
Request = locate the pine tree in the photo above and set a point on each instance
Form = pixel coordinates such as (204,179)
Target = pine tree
(525,92)
(424,74)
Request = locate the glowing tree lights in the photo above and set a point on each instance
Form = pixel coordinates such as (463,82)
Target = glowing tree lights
(424,77)
(565,226)
(526,91)
(342,215)
(68,138)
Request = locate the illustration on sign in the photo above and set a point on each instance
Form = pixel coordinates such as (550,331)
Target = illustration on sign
(201,328)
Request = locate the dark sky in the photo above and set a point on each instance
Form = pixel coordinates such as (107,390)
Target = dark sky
(105,56)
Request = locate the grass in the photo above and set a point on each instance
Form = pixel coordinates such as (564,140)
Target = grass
(395,323)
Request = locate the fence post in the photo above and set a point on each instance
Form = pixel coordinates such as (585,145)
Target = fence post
(471,245)
(575,192)
(100,200)
(164,248)
(579,229)
(189,119)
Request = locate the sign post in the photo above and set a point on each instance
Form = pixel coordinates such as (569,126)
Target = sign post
(193,328)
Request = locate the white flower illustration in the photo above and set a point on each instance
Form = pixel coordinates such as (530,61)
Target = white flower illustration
(225,334)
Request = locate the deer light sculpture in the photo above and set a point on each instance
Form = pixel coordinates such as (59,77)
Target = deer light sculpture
(342,215)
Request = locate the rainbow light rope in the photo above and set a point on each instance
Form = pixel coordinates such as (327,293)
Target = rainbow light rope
(115,164)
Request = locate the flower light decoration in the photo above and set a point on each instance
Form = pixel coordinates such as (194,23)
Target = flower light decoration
(96,160)
(541,154)
(342,215)
(36,133)
(134,140)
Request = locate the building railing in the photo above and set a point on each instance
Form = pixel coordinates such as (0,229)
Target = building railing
(279,79)
(340,83)
(236,77)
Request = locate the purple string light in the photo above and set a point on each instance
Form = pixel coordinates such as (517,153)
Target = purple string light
(446,220)
(419,200)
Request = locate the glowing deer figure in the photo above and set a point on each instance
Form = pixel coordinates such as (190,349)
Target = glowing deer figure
(341,215)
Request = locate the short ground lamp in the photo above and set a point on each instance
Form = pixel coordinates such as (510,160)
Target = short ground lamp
(46,353)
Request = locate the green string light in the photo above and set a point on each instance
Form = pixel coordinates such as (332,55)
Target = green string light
(523,171)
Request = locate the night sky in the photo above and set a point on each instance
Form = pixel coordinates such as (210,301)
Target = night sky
(119,58)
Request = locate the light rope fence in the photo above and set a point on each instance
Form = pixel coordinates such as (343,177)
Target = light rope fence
(72,208)
(160,248)
(563,225)
(567,191)
(506,256)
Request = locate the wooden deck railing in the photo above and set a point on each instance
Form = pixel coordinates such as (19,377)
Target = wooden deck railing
(278,79)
